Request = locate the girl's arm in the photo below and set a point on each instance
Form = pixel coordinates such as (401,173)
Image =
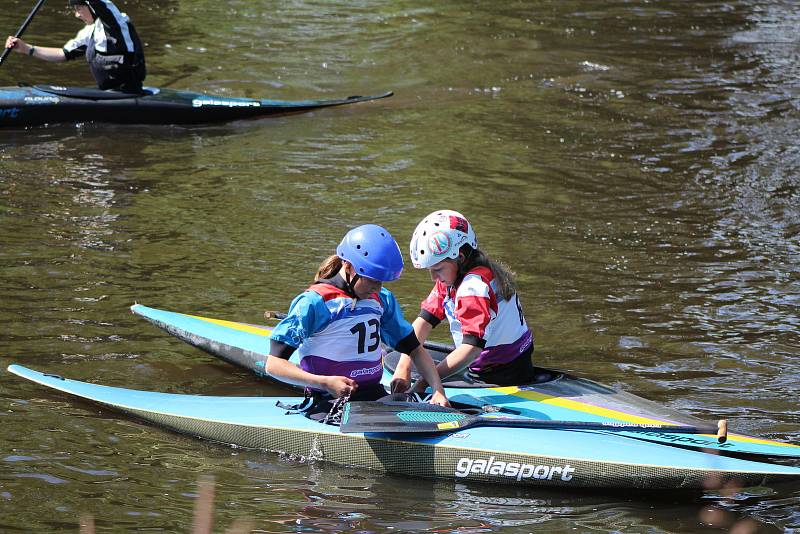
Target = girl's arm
(458,360)
(286,371)
(55,55)
(454,363)
(424,363)
(401,380)
(288,334)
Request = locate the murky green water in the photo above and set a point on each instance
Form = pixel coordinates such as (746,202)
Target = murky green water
(635,162)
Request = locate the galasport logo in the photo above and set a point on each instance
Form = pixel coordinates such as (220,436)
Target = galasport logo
(366,371)
(201,102)
(689,440)
(519,471)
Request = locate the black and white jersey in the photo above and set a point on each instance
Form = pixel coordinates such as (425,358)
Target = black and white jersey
(111,34)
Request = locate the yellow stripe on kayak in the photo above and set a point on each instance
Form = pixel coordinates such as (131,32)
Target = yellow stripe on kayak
(578,406)
(263,331)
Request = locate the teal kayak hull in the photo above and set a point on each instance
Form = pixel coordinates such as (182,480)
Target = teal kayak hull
(531,457)
(564,398)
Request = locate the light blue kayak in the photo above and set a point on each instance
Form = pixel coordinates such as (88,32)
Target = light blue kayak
(555,458)
(564,397)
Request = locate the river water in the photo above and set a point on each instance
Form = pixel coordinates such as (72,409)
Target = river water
(635,162)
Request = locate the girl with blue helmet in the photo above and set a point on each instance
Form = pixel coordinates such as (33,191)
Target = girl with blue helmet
(340,323)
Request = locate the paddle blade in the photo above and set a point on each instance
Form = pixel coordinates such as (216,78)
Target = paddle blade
(415,417)
(405,417)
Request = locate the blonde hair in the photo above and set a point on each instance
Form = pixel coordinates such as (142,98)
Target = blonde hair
(473,257)
(329,267)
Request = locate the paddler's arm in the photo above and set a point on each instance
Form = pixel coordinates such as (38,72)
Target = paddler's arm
(286,371)
(454,363)
(56,55)
(307,314)
(392,328)
(474,316)
(424,363)
(458,360)
(401,380)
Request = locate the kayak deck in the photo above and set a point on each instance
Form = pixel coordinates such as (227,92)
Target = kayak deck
(49,104)
(566,458)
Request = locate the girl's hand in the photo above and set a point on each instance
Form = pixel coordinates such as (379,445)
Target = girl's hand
(420,386)
(17,44)
(399,384)
(440,399)
(339,386)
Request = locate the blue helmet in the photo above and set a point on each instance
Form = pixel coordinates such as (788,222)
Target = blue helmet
(373,252)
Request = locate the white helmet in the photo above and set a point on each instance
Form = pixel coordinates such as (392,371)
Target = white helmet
(440,235)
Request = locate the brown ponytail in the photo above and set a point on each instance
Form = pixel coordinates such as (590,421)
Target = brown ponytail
(473,257)
(329,267)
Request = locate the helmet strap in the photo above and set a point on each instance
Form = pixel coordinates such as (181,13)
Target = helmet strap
(350,283)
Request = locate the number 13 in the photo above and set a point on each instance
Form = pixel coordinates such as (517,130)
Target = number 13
(374,335)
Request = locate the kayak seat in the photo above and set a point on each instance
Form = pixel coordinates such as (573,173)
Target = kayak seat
(89,93)
(464,380)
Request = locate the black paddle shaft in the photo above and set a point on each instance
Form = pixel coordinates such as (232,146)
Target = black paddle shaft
(397,417)
(22,28)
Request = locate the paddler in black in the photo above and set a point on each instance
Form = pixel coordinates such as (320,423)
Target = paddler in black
(109,41)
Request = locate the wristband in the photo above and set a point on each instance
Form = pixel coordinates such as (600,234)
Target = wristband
(31,50)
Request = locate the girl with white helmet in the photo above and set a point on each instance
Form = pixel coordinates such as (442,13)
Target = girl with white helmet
(478,298)
(339,323)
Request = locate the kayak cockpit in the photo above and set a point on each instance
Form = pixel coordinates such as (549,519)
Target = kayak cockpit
(92,93)
(540,375)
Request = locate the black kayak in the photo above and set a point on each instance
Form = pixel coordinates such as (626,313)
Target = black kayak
(50,104)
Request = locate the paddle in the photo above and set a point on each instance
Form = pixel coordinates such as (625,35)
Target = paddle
(414,417)
(430,345)
(22,28)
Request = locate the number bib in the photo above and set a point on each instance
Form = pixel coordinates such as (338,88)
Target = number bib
(350,344)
